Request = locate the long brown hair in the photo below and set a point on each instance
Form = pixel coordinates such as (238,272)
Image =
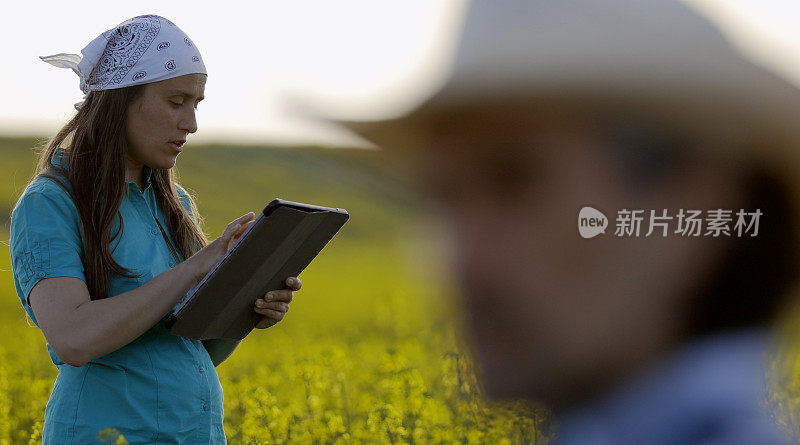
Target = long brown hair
(95,147)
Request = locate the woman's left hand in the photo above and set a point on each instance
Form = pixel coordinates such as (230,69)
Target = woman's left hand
(275,303)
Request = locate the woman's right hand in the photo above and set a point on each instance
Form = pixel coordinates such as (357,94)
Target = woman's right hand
(202,261)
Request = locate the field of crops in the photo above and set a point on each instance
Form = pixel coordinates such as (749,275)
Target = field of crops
(369,351)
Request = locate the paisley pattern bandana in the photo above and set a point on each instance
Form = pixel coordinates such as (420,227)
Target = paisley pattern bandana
(144,49)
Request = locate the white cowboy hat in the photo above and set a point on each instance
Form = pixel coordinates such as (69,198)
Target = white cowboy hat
(656,52)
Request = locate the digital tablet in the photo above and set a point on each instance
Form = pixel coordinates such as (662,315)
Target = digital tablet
(282,240)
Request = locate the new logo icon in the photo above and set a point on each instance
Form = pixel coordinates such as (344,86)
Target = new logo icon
(591,222)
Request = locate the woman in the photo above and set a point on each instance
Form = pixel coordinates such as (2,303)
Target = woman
(104,244)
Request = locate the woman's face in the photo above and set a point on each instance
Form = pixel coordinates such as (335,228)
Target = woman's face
(159,120)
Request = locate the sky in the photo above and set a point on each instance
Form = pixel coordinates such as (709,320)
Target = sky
(265,57)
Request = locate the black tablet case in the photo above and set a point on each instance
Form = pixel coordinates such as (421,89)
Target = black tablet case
(280,243)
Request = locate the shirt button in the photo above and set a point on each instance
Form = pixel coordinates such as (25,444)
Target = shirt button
(154,231)
(201,369)
(205,407)
(40,274)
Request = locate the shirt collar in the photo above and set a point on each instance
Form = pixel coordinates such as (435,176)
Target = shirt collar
(60,160)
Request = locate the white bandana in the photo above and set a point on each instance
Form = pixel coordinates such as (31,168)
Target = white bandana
(144,49)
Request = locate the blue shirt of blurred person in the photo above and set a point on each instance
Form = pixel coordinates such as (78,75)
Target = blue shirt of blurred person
(711,392)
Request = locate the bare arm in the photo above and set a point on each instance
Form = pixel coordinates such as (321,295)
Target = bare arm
(79,329)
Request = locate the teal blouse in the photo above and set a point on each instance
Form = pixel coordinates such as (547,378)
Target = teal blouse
(157,389)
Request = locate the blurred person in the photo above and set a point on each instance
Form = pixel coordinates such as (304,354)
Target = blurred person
(104,244)
(649,335)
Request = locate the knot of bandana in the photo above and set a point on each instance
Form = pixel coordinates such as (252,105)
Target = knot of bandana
(144,49)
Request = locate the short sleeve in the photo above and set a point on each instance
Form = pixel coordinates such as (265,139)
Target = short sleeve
(185,200)
(45,239)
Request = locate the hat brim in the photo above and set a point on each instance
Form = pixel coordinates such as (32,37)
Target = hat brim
(746,99)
